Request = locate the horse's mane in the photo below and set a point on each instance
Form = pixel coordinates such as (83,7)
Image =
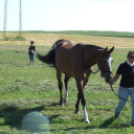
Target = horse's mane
(90,46)
(93,46)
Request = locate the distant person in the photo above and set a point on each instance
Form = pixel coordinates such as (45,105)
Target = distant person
(31,52)
(126,88)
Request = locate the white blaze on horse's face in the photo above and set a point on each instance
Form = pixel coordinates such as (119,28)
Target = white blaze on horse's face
(109,63)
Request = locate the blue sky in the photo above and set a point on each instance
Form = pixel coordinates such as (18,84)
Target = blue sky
(115,15)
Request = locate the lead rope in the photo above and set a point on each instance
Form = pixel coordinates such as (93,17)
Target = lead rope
(118,95)
(95,71)
(111,87)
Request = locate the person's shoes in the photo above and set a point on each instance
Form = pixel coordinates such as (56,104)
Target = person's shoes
(132,125)
(115,116)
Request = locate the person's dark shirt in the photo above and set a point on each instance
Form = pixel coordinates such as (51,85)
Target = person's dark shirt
(31,48)
(127,72)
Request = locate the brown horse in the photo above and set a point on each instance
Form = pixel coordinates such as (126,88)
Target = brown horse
(76,60)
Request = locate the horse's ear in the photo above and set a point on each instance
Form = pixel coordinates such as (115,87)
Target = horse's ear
(105,49)
(111,50)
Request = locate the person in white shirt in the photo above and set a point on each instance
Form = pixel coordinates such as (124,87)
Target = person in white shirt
(126,88)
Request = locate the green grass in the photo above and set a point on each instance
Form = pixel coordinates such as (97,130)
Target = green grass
(89,33)
(85,33)
(25,88)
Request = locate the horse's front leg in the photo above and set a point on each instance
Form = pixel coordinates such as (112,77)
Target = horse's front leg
(77,104)
(84,83)
(83,100)
(60,85)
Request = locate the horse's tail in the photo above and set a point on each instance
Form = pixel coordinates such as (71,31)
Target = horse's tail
(49,58)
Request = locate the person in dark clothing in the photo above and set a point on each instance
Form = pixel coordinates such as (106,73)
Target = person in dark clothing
(31,52)
(126,87)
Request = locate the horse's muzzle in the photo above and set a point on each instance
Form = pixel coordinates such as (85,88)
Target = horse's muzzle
(107,76)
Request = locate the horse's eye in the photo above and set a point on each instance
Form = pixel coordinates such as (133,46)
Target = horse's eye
(104,62)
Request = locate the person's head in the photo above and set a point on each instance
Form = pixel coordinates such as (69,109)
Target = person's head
(32,42)
(130,56)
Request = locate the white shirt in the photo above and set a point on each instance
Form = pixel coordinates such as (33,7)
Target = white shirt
(130,64)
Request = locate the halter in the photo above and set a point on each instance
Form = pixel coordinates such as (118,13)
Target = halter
(103,72)
(94,72)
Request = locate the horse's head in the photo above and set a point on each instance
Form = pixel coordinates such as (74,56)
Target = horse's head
(105,64)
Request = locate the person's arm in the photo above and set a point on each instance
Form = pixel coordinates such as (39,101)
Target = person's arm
(33,51)
(114,79)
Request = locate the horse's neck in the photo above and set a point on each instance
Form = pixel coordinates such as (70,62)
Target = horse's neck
(91,57)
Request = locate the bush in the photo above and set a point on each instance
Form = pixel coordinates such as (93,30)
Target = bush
(20,38)
(16,38)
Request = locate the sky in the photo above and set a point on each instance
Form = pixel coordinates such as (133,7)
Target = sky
(56,15)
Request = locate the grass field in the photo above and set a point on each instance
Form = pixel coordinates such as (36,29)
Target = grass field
(24,89)
(43,38)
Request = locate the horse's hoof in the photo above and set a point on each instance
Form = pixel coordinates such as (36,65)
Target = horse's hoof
(87,121)
(76,112)
(61,104)
(65,100)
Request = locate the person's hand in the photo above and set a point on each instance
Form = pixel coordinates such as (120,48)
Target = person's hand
(111,83)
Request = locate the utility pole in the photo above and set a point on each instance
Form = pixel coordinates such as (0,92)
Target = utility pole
(20,18)
(5,19)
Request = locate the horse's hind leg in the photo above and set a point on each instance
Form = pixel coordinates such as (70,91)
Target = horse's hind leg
(60,87)
(66,88)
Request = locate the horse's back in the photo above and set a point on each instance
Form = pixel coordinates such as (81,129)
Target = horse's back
(68,54)
(62,56)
